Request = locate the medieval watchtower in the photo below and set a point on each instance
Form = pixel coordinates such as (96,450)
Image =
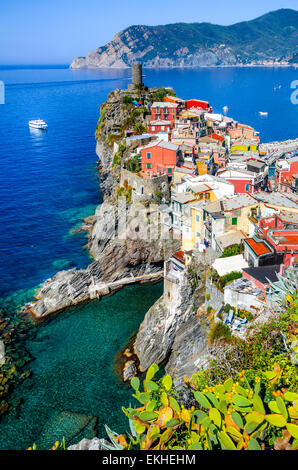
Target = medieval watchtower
(136,71)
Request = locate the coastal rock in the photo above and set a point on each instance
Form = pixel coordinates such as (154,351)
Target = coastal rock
(189,353)
(129,370)
(89,444)
(160,326)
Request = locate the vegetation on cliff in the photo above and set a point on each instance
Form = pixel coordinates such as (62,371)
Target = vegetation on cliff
(271,36)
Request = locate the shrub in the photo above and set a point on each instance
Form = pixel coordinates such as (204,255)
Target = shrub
(234,415)
(224,280)
(231,251)
(127,99)
(219,331)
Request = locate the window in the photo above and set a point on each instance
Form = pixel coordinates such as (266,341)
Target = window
(198,234)
(162,128)
(148,154)
(197,218)
(234,221)
(148,165)
(247,186)
(153,128)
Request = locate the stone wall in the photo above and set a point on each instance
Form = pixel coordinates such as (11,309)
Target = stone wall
(145,187)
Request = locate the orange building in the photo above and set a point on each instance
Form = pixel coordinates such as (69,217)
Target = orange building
(159,158)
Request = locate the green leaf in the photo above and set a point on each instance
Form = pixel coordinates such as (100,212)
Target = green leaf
(172,422)
(152,386)
(152,371)
(135,383)
(196,446)
(139,428)
(270,375)
(148,415)
(282,407)
(234,432)
(202,400)
(143,397)
(241,401)
(237,419)
(273,407)
(258,404)
(175,405)
(241,391)
(226,442)
(215,416)
(228,384)
(293,430)
(167,382)
(253,444)
(200,416)
(276,420)
(151,405)
(223,406)
(290,396)
(212,398)
(255,416)
(251,427)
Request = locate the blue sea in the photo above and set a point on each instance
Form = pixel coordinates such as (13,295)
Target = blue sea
(48,183)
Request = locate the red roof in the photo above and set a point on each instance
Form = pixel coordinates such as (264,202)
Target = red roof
(259,248)
(217,137)
(180,256)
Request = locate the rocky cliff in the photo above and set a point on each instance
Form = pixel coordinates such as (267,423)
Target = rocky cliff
(173,331)
(271,37)
(118,237)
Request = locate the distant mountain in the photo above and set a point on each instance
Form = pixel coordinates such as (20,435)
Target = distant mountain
(272,37)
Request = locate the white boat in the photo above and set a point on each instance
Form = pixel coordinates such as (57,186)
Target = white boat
(263,113)
(225,108)
(38,124)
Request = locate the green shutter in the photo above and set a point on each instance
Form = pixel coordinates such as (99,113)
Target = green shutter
(148,154)
(148,165)
(234,221)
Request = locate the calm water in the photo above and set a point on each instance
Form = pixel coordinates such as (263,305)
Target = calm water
(48,182)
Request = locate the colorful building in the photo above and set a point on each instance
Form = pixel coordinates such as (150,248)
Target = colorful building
(193,103)
(155,127)
(244,181)
(286,175)
(161,111)
(159,158)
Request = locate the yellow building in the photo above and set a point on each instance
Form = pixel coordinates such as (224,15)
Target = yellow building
(192,228)
(202,165)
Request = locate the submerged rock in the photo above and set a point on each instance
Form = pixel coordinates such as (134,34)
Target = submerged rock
(67,425)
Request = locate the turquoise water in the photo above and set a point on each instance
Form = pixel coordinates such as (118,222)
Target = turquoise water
(75,366)
(48,182)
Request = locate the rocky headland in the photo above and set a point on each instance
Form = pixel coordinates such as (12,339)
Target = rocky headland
(268,40)
(122,255)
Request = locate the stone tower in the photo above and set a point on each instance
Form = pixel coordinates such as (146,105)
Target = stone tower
(136,71)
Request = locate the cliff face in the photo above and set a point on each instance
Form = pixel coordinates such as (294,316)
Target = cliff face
(273,36)
(173,331)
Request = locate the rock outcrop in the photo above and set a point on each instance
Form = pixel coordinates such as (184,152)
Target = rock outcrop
(172,329)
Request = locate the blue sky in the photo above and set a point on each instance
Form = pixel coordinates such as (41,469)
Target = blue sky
(56,31)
